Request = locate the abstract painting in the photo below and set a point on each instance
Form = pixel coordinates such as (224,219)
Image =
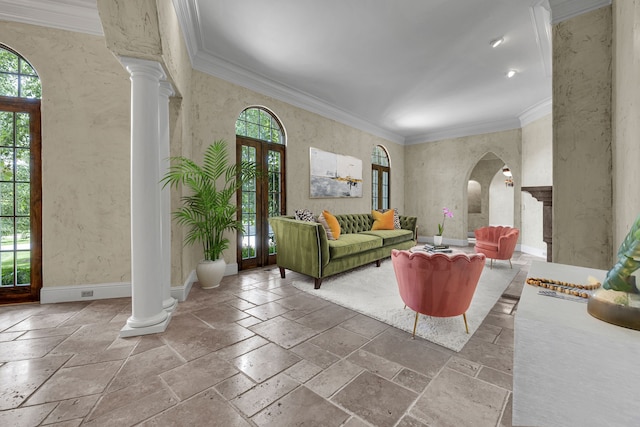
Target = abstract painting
(334,175)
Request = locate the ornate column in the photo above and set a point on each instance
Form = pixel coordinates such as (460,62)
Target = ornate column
(168,303)
(148,315)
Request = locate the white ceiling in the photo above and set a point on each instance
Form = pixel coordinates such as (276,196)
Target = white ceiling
(410,71)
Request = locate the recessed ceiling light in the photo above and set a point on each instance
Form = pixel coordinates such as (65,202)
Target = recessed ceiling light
(496,42)
(511,73)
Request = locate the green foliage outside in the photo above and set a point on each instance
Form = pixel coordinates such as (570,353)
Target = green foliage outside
(17,77)
(23,260)
(257,123)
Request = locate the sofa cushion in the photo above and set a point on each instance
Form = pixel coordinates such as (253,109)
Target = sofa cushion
(304,215)
(382,221)
(391,237)
(396,217)
(330,224)
(487,245)
(350,244)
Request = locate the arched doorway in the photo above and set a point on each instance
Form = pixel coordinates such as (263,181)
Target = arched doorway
(490,198)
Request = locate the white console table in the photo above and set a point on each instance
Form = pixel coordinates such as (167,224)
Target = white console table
(569,368)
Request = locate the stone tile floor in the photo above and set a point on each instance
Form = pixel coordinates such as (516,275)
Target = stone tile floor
(254,352)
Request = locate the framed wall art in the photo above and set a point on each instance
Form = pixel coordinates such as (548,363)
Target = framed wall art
(334,175)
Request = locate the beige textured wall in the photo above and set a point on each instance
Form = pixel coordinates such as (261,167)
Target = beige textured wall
(85,154)
(582,189)
(626,114)
(440,172)
(537,165)
(501,206)
(216,106)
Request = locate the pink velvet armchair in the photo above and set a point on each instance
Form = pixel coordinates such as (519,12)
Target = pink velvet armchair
(437,284)
(496,242)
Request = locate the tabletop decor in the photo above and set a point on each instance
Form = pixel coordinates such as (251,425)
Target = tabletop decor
(618,301)
(446,213)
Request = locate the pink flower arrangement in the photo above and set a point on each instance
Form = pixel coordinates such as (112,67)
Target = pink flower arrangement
(446,213)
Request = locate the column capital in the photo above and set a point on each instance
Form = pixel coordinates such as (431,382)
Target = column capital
(137,66)
(166,89)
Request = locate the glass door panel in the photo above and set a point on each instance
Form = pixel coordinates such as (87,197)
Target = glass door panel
(19,213)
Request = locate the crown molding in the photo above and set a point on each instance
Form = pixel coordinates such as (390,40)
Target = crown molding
(535,112)
(207,62)
(187,18)
(541,21)
(210,64)
(561,10)
(80,16)
(465,130)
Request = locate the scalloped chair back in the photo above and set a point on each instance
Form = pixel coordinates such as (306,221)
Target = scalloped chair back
(437,284)
(496,242)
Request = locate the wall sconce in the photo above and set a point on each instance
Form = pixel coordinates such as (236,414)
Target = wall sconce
(508,182)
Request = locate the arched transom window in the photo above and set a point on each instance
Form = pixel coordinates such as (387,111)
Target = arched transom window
(259,124)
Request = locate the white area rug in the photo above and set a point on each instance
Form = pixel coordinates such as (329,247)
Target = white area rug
(374,292)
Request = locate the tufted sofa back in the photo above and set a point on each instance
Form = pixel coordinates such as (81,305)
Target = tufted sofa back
(356,223)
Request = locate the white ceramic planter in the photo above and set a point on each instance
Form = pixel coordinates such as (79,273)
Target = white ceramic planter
(437,240)
(210,273)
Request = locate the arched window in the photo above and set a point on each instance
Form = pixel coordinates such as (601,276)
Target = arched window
(380,179)
(260,138)
(20,179)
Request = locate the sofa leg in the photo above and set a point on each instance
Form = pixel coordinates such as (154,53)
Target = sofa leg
(316,283)
(378,263)
(282,272)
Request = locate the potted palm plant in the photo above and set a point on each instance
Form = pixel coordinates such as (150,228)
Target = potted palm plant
(207,209)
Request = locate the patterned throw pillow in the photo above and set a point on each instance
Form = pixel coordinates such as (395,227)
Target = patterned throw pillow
(304,215)
(330,224)
(382,221)
(396,217)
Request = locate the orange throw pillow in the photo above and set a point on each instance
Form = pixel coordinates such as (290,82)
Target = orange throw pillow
(330,224)
(382,221)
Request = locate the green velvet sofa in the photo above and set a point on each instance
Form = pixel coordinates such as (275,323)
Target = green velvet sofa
(303,247)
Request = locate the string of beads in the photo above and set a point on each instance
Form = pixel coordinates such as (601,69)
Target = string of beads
(577,290)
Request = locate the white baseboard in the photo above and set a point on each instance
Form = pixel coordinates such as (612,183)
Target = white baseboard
(54,294)
(182,292)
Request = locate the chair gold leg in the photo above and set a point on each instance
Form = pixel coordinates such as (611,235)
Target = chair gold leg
(405,306)
(415,323)
(466,325)
(511,266)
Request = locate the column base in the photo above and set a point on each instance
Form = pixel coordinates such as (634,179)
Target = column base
(170,304)
(134,331)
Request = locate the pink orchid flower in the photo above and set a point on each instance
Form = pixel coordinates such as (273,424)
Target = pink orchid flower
(446,213)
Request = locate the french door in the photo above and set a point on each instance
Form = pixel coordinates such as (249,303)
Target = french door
(20,200)
(259,200)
